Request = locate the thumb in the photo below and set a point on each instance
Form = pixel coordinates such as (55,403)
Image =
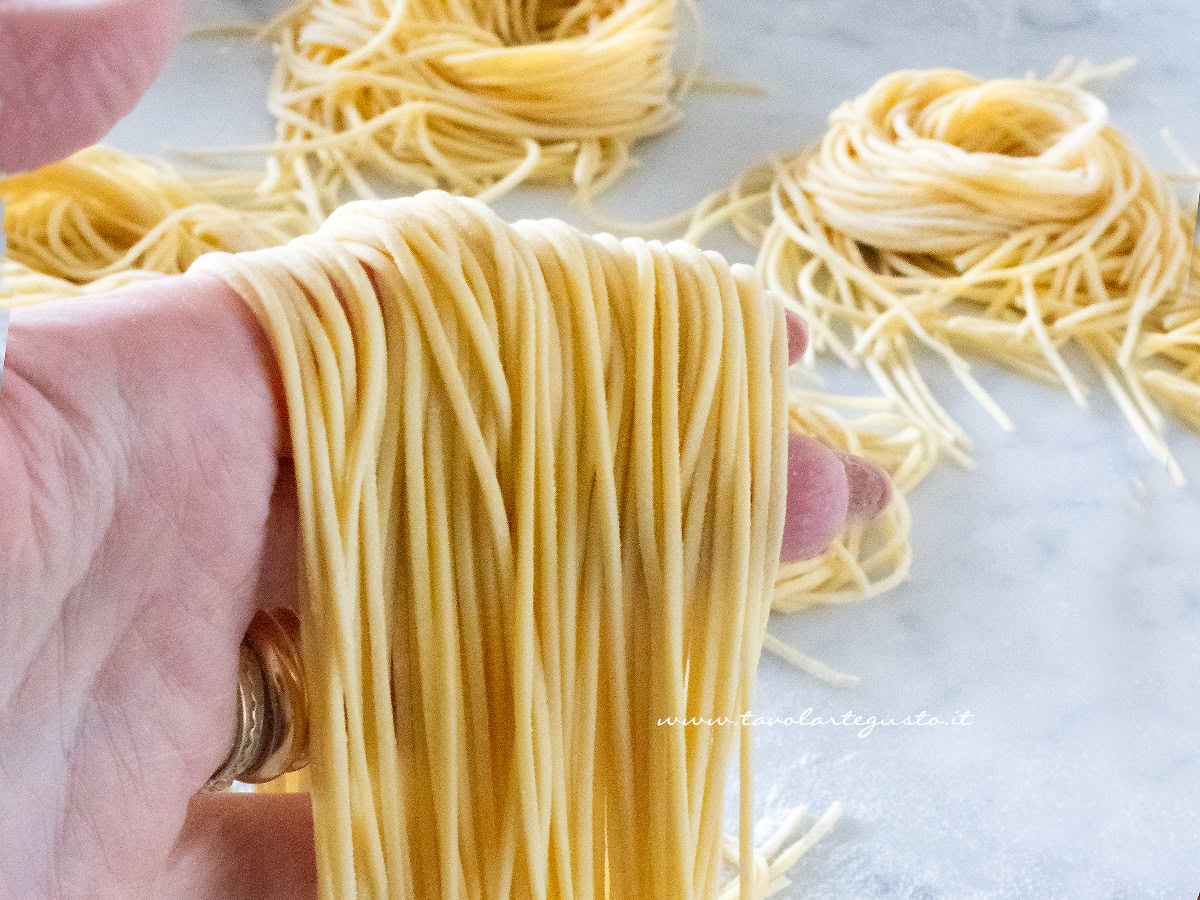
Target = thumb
(69,69)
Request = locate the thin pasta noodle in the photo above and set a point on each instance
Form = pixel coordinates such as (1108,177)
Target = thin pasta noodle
(541,481)
(947,215)
(102,214)
(22,286)
(475,97)
(1168,352)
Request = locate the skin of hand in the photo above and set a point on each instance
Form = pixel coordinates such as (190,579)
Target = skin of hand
(147,509)
(140,448)
(69,69)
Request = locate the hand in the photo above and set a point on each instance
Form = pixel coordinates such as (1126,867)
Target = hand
(143,516)
(69,69)
(147,510)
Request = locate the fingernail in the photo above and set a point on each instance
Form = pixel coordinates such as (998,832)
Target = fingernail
(870,488)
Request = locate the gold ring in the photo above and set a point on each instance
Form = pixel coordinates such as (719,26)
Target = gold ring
(270,735)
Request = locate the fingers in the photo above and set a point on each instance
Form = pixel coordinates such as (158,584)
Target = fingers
(243,847)
(69,69)
(797,337)
(826,491)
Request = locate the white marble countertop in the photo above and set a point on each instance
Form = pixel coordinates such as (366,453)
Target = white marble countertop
(1049,597)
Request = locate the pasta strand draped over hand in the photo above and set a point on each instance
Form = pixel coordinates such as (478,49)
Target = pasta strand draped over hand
(542,480)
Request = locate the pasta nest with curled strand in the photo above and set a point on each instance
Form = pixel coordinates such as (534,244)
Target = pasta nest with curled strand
(473,97)
(105,217)
(1004,219)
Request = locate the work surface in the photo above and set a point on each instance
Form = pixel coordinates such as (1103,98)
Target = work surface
(1054,591)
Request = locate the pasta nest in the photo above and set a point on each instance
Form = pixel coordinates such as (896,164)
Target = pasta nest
(474,97)
(1004,219)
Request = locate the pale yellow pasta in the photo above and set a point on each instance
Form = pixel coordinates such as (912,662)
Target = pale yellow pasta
(103,214)
(541,480)
(1168,350)
(23,286)
(948,216)
(474,96)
